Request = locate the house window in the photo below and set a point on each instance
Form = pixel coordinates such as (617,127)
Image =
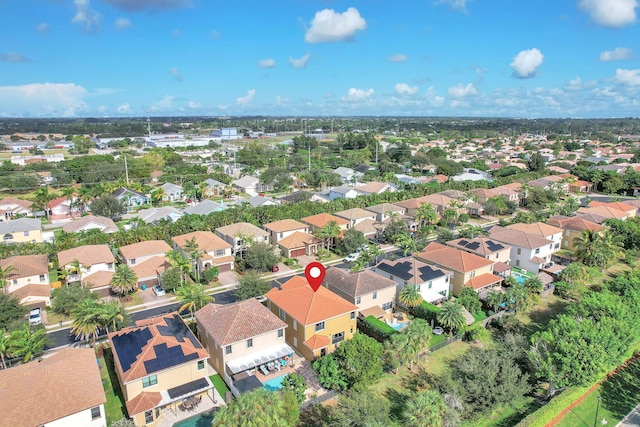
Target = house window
(26,234)
(110,266)
(279,235)
(390,277)
(517,263)
(319,326)
(41,277)
(358,299)
(387,306)
(15,281)
(227,350)
(295,325)
(149,381)
(497,256)
(200,365)
(148,417)
(375,295)
(353,315)
(250,343)
(280,333)
(133,261)
(537,251)
(339,337)
(473,274)
(429,285)
(446,280)
(8,236)
(95,413)
(282,314)
(219,252)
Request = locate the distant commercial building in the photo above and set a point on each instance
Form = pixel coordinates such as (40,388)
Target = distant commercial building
(25,160)
(226,134)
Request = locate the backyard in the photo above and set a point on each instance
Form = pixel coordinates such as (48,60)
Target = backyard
(114,408)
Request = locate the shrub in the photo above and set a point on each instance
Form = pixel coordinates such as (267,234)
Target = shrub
(426,311)
(211,274)
(377,329)
(464,218)
(475,332)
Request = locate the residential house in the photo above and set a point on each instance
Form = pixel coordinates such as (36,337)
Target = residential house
(348,175)
(356,216)
(471,174)
(375,187)
(343,192)
(243,339)
(205,207)
(91,222)
(553,182)
(159,363)
(485,247)
(62,208)
(384,211)
(28,280)
(247,184)
(298,244)
(541,229)
(317,322)
(11,207)
(630,210)
(62,390)
(217,251)
(528,251)
(21,230)
(580,186)
(278,230)
(257,201)
(295,197)
(606,212)
(372,294)
(171,192)
(433,283)
(130,197)
(316,222)
(138,253)
(213,188)
(468,270)
(93,265)
(164,213)
(237,234)
(573,227)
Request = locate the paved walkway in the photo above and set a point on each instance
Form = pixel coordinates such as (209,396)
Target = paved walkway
(632,419)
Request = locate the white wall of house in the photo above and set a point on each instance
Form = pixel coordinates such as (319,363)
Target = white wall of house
(430,291)
(81,419)
(522,257)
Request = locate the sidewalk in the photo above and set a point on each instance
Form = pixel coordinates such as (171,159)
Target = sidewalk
(632,419)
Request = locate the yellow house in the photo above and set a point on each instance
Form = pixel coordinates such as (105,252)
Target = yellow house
(159,363)
(29,279)
(217,252)
(317,322)
(573,227)
(21,230)
(468,270)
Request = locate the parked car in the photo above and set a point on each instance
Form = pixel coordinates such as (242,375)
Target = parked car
(157,289)
(35,317)
(274,269)
(352,257)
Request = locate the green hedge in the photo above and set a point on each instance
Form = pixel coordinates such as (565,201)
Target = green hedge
(426,311)
(551,410)
(377,329)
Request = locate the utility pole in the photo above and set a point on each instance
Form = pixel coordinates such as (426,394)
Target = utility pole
(126,169)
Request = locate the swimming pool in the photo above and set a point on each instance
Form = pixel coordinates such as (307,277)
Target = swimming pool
(274,384)
(200,420)
(399,325)
(519,278)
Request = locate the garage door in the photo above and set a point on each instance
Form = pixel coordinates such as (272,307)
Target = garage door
(297,252)
(224,267)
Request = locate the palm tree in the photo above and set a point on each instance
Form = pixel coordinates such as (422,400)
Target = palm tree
(68,193)
(357,265)
(27,342)
(598,249)
(5,345)
(42,199)
(178,260)
(426,214)
(124,280)
(86,320)
(419,333)
(534,284)
(409,296)
(328,233)
(5,273)
(194,252)
(397,349)
(451,316)
(425,409)
(193,298)
(113,315)
(495,300)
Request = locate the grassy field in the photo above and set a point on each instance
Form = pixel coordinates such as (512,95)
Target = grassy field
(114,407)
(540,315)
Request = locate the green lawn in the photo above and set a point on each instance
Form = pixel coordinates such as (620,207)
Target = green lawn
(219,384)
(504,416)
(541,315)
(114,407)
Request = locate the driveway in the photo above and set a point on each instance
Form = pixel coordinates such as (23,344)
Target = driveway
(150,298)
(227,278)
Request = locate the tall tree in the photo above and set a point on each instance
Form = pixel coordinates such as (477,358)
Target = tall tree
(194,252)
(426,214)
(179,261)
(409,296)
(112,316)
(451,316)
(328,233)
(124,280)
(5,345)
(27,342)
(424,409)
(257,408)
(251,285)
(5,273)
(86,320)
(192,297)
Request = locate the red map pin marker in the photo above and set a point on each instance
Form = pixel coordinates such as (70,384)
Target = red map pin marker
(315,275)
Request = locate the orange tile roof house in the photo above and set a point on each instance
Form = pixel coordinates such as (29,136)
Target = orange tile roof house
(484,247)
(11,206)
(91,258)
(372,293)
(356,215)
(573,227)
(217,251)
(385,210)
(63,389)
(629,209)
(159,363)
(29,280)
(320,220)
(232,234)
(138,253)
(90,222)
(605,211)
(468,270)
(541,229)
(299,243)
(317,321)
(278,230)
(243,339)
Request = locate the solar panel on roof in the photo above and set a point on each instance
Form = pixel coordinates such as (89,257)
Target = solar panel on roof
(493,246)
(129,346)
(167,357)
(178,329)
(427,273)
(473,245)
(187,388)
(463,242)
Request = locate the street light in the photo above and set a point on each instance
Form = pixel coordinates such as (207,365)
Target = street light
(604,421)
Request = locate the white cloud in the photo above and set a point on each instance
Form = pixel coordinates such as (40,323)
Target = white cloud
(617,54)
(358,95)
(266,63)
(42,99)
(611,13)
(244,100)
(86,17)
(300,63)
(628,77)
(460,5)
(175,72)
(124,109)
(43,27)
(526,62)
(462,91)
(331,26)
(164,104)
(194,105)
(398,57)
(404,89)
(13,57)
(122,24)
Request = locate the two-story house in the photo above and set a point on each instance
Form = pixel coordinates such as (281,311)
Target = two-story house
(383,211)
(356,216)
(147,259)
(293,238)
(572,227)
(469,270)
(28,279)
(245,340)
(528,251)
(21,230)
(278,230)
(317,322)
(91,264)
(316,222)
(372,294)
(217,252)
(484,247)
(541,229)
(241,234)
(433,283)
(62,390)
(159,363)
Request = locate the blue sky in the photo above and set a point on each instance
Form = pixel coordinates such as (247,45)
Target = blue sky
(506,58)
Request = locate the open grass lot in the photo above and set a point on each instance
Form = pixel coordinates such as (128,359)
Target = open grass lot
(114,407)
(542,314)
(504,416)
(619,394)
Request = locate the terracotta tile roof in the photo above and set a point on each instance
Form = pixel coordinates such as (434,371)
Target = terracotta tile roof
(385,208)
(615,205)
(106,224)
(316,342)
(231,323)
(452,258)
(538,260)
(99,279)
(86,255)
(357,284)
(7,201)
(574,224)
(501,267)
(605,211)
(143,402)
(33,290)
(482,281)
(438,178)
(299,301)
(26,266)
(537,228)
(518,238)
(142,349)
(372,187)
(147,248)
(205,239)
(322,219)
(151,267)
(55,387)
(355,213)
(367,227)
(437,199)
(298,240)
(482,246)
(409,203)
(244,228)
(285,225)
